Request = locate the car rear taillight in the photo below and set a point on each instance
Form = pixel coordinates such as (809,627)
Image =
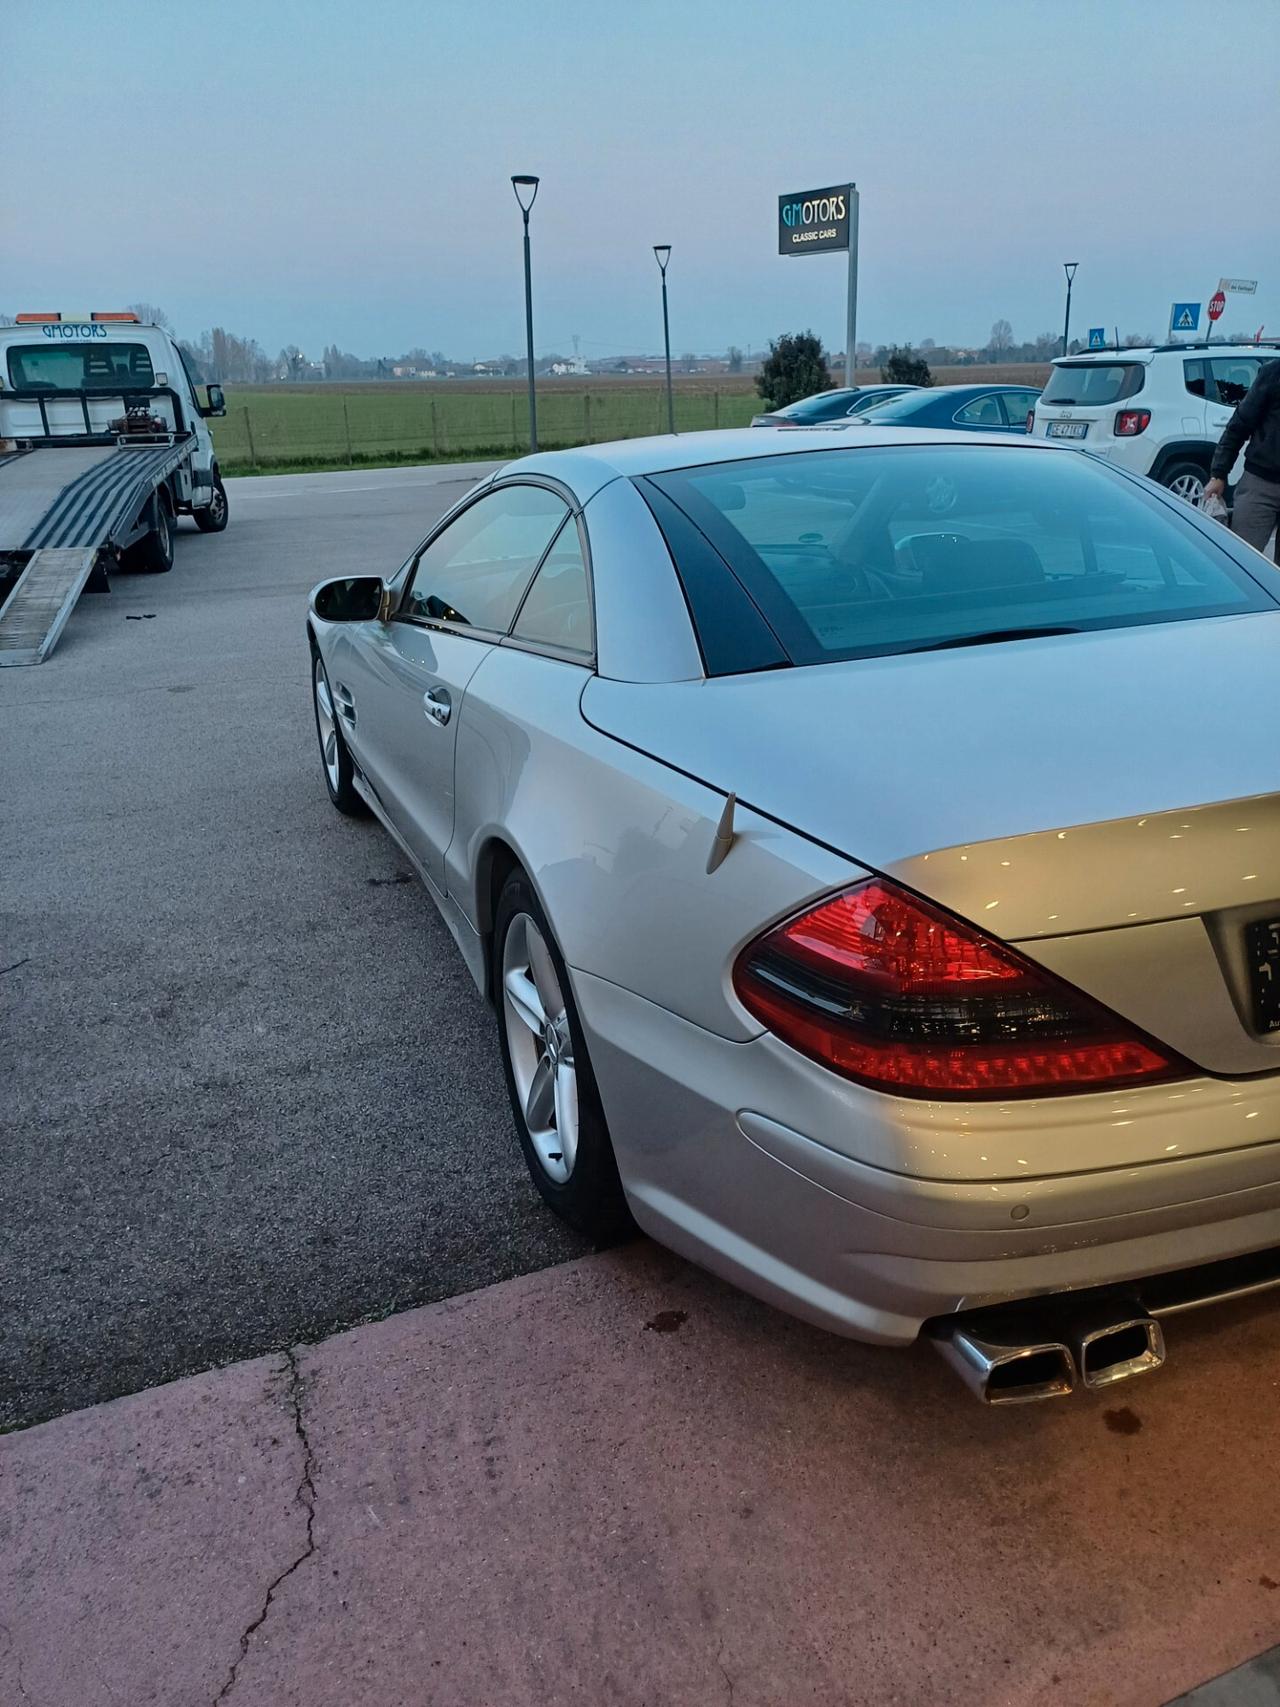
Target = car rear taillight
(1031,420)
(889,990)
(1131,422)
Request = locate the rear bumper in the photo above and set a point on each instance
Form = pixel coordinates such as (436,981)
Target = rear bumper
(715,1165)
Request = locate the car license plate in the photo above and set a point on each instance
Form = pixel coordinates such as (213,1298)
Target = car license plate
(1067,429)
(1262,945)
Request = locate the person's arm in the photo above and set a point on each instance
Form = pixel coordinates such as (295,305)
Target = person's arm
(1243,424)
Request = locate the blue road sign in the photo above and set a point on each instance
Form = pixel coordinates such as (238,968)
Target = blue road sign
(1184,317)
(1097,337)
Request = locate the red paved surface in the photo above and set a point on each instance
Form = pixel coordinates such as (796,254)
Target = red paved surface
(534,1494)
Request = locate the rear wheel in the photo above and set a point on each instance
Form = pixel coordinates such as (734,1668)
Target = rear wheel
(335,757)
(154,554)
(213,517)
(558,1114)
(1185,480)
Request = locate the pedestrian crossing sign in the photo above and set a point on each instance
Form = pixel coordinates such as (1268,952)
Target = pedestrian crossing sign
(1184,317)
(1097,337)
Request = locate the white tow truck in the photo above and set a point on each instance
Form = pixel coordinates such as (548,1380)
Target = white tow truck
(104,443)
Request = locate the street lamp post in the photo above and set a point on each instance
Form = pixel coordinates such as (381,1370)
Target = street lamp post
(520,183)
(1069,268)
(662,254)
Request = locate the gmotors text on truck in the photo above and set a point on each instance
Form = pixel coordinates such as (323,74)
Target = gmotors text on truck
(104,444)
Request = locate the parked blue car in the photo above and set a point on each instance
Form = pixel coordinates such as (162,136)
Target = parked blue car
(971,408)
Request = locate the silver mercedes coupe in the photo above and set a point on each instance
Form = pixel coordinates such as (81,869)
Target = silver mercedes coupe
(872,854)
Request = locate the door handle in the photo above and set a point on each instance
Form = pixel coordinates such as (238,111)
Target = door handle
(437,705)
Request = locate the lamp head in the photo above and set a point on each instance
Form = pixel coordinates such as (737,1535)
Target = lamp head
(1069,268)
(525,184)
(662,251)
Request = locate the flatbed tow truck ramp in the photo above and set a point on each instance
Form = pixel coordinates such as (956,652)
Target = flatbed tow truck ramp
(95,469)
(60,512)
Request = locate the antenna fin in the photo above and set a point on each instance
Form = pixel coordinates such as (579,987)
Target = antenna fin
(724,837)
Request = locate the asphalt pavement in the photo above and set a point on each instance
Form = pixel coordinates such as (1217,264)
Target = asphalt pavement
(248,1093)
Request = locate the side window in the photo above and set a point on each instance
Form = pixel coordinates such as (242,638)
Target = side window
(981,412)
(1230,378)
(1017,406)
(1193,377)
(557,609)
(475,572)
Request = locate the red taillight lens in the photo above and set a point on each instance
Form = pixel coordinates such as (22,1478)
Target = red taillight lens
(1031,420)
(889,990)
(1131,422)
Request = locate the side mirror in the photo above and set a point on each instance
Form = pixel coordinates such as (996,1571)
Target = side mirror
(217,402)
(352,598)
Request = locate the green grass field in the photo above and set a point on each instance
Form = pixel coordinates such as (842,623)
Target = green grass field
(276,429)
(339,426)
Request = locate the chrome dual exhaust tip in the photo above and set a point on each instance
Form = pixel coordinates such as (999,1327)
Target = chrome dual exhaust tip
(1002,1366)
(1005,1361)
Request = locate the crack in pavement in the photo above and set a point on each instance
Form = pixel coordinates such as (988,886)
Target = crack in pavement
(305,1496)
(7,1633)
(724,1672)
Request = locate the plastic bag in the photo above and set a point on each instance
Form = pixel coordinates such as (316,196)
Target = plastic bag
(1213,507)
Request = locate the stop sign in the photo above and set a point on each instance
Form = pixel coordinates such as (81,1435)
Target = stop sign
(1217,302)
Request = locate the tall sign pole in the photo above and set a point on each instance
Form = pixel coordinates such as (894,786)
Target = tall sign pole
(812,222)
(851,328)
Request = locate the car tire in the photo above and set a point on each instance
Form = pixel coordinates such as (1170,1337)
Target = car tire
(216,513)
(1185,480)
(154,554)
(335,756)
(555,1101)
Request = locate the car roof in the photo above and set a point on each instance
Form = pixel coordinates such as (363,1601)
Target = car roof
(1146,352)
(591,467)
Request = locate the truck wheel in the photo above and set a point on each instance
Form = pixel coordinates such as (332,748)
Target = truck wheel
(154,554)
(213,517)
(1185,480)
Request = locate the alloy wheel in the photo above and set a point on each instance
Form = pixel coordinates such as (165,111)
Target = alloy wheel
(1188,486)
(541,1047)
(328,726)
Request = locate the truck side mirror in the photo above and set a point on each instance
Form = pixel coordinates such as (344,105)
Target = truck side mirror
(217,402)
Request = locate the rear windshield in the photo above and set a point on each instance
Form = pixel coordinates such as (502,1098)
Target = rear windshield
(79,367)
(828,406)
(850,553)
(1093,382)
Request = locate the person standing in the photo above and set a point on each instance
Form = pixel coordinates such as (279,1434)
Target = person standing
(1257,421)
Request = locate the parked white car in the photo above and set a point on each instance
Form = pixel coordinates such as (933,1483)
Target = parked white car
(1157,411)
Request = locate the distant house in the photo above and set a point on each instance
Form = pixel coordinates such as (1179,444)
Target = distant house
(576,365)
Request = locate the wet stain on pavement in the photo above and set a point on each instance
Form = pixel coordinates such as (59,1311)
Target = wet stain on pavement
(382,882)
(1122,1421)
(1267,1582)
(667,1322)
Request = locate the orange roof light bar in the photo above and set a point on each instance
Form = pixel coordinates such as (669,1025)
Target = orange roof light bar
(45,319)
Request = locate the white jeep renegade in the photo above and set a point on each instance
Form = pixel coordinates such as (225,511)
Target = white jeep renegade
(1156,410)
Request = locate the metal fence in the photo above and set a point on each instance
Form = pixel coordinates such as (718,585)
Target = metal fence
(266,429)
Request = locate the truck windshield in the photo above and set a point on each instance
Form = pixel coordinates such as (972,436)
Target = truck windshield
(75,367)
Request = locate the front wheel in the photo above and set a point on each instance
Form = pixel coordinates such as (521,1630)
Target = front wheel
(335,756)
(213,517)
(1185,480)
(558,1114)
(154,554)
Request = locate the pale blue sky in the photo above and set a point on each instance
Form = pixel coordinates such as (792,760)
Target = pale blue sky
(338,171)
